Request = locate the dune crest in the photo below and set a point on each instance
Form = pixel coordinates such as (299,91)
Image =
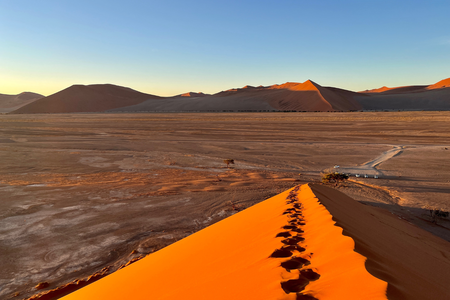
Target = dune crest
(286,247)
(193,94)
(378,90)
(445,83)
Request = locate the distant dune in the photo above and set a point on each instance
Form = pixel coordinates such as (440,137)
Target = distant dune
(416,97)
(193,94)
(86,98)
(290,96)
(307,96)
(12,102)
(310,96)
(441,84)
(310,242)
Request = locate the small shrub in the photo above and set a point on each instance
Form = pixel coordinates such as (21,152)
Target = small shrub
(228,162)
(436,213)
(334,177)
(441,213)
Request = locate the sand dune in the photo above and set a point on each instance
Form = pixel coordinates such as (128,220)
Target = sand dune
(12,102)
(335,99)
(397,90)
(435,99)
(299,244)
(445,83)
(307,96)
(310,242)
(193,94)
(441,84)
(86,98)
(415,263)
(415,97)
(290,96)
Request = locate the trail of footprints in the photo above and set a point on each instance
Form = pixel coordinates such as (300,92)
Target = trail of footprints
(292,236)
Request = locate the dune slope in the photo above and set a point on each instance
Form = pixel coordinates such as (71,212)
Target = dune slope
(286,247)
(445,83)
(310,96)
(86,98)
(415,263)
(307,96)
(12,102)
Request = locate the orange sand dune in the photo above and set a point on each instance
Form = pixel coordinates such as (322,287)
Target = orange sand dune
(415,263)
(86,98)
(445,83)
(441,84)
(286,247)
(310,94)
(378,90)
(193,94)
(307,96)
(397,90)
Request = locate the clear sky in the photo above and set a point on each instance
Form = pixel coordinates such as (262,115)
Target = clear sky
(172,46)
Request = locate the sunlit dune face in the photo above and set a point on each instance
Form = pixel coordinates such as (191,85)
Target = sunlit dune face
(286,247)
(441,84)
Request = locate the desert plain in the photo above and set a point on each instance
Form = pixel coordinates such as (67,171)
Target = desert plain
(88,193)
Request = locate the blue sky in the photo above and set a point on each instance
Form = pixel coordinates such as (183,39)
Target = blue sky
(171,47)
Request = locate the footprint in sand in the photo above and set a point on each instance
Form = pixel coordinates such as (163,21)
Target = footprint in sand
(291,242)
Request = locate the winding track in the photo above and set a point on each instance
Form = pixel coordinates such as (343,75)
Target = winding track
(369,167)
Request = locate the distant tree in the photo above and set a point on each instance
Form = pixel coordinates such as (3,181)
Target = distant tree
(334,177)
(228,162)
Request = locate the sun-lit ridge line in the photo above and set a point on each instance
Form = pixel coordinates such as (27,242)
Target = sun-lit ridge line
(342,270)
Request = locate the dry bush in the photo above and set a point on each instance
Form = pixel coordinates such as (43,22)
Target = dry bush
(228,162)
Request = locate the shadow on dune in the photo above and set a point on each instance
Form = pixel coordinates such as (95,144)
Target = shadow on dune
(414,262)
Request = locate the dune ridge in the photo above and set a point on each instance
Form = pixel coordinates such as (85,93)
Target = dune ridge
(445,83)
(193,94)
(286,247)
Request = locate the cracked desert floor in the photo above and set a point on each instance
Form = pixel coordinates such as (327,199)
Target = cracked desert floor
(84,192)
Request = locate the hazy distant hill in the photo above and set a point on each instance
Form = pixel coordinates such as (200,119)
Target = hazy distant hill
(86,98)
(12,102)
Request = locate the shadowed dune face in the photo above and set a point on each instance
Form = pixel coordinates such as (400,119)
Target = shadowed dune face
(91,98)
(436,99)
(416,97)
(12,102)
(415,263)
